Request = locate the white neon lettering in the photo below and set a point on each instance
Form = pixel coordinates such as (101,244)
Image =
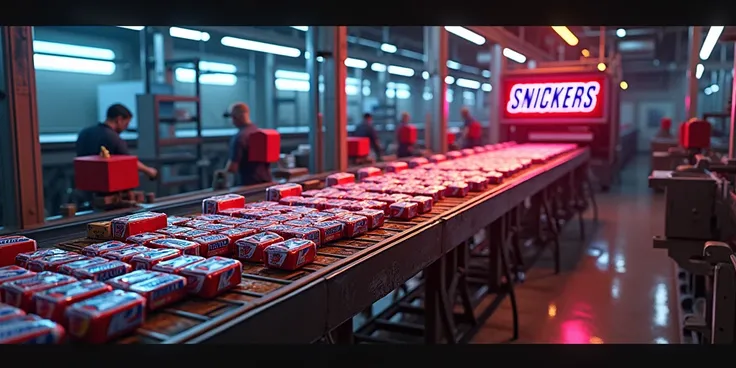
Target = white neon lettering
(565,97)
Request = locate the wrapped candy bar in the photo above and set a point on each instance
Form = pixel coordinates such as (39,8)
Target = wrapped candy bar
(176,220)
(52,303)
(477,184)
(125,254)
(235,221)
(19,293)
(213,205)
(404,210)
(302,210)
(173,231)
(213,276)
(303,222)
(396,167)
(368,172)
(259,225)
(375,217)
(106,316)
(457,189)
(146,260)
(12,273)
(283,217)
(290,254)
(191,234)
(310,193)
(424,203)
(211,218)
(339,179)
(144,238)
(233,212)
(143,222)
(355,225)
(251,248)
(329,231)
(182,245)
(276,192)
(291,201)
(214,245)
(437,158)
(22,259)
(161,290)
(52,263)
(308,233)
(215,228)
(175,265)
(11,246)
(314,202)
(237,233)
(319,216)
(193,224)
(416,162)
(258,214)
(102,271)
(68,268)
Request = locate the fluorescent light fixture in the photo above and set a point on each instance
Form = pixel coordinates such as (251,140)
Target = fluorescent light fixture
(378,67)
(400,70)
(466,34)
(403,94)
(72,65)
(54,48)
(449,95)
(708,91)
(390,93)
(699,69)
(189,34)
(486,73)
(292,85)
(715,88)
(469,95)
(710,41)
(352,81)
(355,63)
(425,75)
(288,74)
(449,79)
(185,75)
(301,28)
(486,87)
(351,90)
(513,55)
(394,85)
(211,66)
(602,67)
(467,83)
(319,58)
(366,91)
(387,47)
(132,28)
(621,33)
(453,64)
(566,35)
(268,48)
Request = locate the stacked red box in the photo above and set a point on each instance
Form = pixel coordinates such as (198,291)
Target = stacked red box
(123,227)
(317,203)
(300,232)
(339,179)
(144,238)
(106,316)
(106,174)
(213,276)
(173,231)
(280,218)
(251,248)
(102,271)
(161,290)
(375,217)
(395,167)
(355,225)
(329,230)
(11,246)
(22,259)
(290,254)
(68,268)
(146,260)
(52,263)
(53,303)
(184,246)
(368,172)
(175,265)
(192,234)
(19,293)
(407,134)
(457,189)
(24,330)
(404,210)
(125,254)
(494,177)
(12,273)
(213,205)
(264,145)
(477,183)
(8,313)
(358,147)
(214,245)
(276,192)
(424,203)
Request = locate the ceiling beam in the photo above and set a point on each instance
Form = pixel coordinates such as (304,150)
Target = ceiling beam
(501,36)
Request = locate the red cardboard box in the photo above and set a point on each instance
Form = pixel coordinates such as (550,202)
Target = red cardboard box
(276,192)
(146,260)
(23,259)
(11,246)
(53,303)
(12,273)
(68,268)
(213,276)
(264,145)
(404,210)
(214,245)
(8,313)
(355,225)
(358,147)
(144,238)
(52,263)
(161,290)
(19,293)
(339,179)
(182,245)
(106,316)
(251,248)
(106,175)
(31,330)
(290,254)
(375,217)
(177,264)
(143,222)
(213,205)
(102,271)
(329,231)
(368,172)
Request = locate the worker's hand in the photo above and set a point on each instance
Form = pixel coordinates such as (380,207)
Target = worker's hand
(220,180)
(152,173)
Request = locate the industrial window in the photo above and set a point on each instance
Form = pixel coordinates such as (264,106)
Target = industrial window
(62,57)
(210,73)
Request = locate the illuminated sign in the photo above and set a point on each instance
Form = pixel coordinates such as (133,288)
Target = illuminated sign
(553,97)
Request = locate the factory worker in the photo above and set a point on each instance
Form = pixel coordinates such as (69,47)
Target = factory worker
(366,130)
(250,173)
(404,149)
(472,130)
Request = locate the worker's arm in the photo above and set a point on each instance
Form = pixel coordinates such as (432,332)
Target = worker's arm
(121,148)
(236,154)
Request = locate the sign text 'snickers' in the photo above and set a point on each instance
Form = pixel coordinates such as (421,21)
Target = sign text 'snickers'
(561,97)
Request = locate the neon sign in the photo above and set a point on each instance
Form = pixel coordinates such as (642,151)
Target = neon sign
(555,98)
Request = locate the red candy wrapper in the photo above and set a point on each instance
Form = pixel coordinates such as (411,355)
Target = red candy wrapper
(175,265)
(213,205)
(416,162)
(320,216)
(233,212)
(215,228)
(259,225)
(251,248)
(404,210)
(235,221)
(192,234)
(283,217)
(11,246)
(173,231)
(310,193)
(308,233)
(494,177)
(329,231)
(144,238)
(279,229)
(337,212)
(176,220)
(146,260)
(211,218)
(355,225)
(12,273)
(52,263)
(31,330)
(395,167)
(259,214)
(183,246)
(303,210)
(23,259)
(8,313)
(453,155)
(213,276)
(124,282)
(290,254)
(318,203)
(424,203)
(477,184)
(467,152)
(368,172)
(125,254)
(102,271)
(193,224)
(375,217)
(339,179)
(276,192)
(457,189)
(123,227)
(437,158)
(53,303)
(161,290)
(214,245)
(291,201)
(68,268)
(303,222)
(375,205)
(106,316)
(238,233)
(261,205)
(19,293)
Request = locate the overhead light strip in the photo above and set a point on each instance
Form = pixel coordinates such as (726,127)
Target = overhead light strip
(714,33)
(240,43)
(513,55)
(466,34)
(566,35)
(189,34)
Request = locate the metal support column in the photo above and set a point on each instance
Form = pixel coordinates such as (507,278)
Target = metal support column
(316,158)
(20,150)
(264,101)
(435,58)
(691,97)
(498,65)
(732,133)
(334,42)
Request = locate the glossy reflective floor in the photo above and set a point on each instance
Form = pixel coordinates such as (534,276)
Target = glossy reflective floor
(614,287)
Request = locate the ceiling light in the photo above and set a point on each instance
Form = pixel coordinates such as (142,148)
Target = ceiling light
(132,28)
(425,75)
(300,28)
(699,69)
(189,34)
(714,33)
(624,85)
(621,33)
(452,64)
(378,67)
(240,43)
(513,55)
(356,63)
(566,35)
(467,83)
(400,70)
(487,87)
(466,34)
(449,79)
(387,47)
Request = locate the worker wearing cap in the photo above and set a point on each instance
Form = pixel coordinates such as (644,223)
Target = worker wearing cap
(250,173)
(472,130)
(404,149)
(366,130)
(107,134)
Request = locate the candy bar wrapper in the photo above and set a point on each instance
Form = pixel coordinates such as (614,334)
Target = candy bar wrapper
(258,214)
(339,179)
(477,184)
(176,220)
(424,203)
(215,228)
(22,259)
(53,303)
(291,201)
(281,218)
(280,208)
(302,210)
(161,290)
(106,316)
(12,273)
(69,268)
(214,245)
(237,233)
(144,238)
(19,293)
(454,155)
(124,282)
(303,222)
(125,254)
(99,230)
(368,172)
(457,189)
(259,225)
(52,263)
(404,210)
(437,158)
(375,217)
(233,212)
(290,254)
(8,313)
(192,234)
(182,245)
(329,231)
(317,203)
(416,162)
(175,265)
(355,225)
(102,271)
(11,246)
(213,205)
(143,222)
(213,276)
(467,152)
(276,192)
(345,186)
(146,260)
(235,221)
(310,193)
(337,211)
(31,330)
(319,216)
(396,167)
(211,218)
(352,206)
(308,233)
(261,205)
(251,248)
(173,231)
(494,177)
(193,224)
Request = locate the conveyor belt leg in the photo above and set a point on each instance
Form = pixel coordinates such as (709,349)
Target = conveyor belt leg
(552,224)
(509,288)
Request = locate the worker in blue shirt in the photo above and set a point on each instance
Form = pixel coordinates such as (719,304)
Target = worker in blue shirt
(472,130)
(250,173)
(366,130)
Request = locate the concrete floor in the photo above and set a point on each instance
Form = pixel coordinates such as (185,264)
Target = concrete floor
(614,287)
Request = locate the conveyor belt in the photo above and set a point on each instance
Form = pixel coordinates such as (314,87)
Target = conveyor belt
(347,275)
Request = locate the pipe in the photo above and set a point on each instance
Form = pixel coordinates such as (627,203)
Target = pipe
(602,45)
